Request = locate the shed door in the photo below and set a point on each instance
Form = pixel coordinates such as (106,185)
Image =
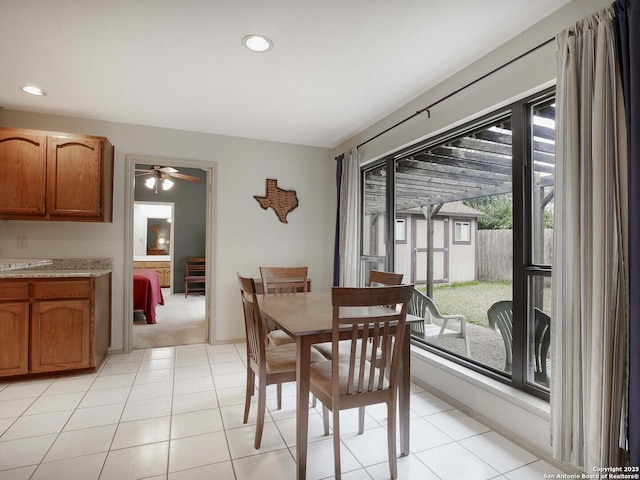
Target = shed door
(440,250)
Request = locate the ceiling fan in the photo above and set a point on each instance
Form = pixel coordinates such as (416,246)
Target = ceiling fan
(162,175)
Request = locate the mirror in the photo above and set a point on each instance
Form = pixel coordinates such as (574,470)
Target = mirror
(152,229)
(158,236)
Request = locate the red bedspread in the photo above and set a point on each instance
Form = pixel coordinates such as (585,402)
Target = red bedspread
(147,293)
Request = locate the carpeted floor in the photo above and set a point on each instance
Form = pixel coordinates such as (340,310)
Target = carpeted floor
(180,321)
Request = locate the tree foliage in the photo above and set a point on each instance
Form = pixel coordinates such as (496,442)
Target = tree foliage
(497,209)
(498,212)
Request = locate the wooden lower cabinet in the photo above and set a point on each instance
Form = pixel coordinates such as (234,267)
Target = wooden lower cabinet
(60,335)
(62,325)
(162,267)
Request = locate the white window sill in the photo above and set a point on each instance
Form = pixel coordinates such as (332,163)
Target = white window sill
(515,414)
(517,397)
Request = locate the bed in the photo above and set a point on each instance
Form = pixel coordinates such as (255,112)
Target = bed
(147,293)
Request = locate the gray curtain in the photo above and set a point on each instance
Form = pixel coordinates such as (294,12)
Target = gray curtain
(349,223)
(590,279)
(628,29)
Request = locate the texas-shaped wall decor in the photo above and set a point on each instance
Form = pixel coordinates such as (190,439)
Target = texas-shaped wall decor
(280,200)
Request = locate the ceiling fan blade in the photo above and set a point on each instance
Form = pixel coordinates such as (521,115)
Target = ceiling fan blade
(166,169)
(184,177)
(142,173)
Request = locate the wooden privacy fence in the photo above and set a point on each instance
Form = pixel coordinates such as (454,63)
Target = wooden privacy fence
(494,254)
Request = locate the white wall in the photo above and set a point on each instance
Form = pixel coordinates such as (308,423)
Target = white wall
(503,87)
(246,236)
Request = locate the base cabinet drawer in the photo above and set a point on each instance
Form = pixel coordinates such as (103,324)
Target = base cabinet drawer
(62,289)
(16,291)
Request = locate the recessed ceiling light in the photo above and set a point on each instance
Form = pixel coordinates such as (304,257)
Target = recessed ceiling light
(257,43)
(33,90)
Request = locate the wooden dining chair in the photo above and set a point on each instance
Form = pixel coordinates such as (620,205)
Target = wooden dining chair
(379,277)
(376,278)
(283,280)
(368,376)
(271,364)
(195,269)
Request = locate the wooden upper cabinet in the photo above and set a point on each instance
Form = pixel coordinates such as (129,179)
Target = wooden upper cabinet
(74,177)
(23,163)
(55,176)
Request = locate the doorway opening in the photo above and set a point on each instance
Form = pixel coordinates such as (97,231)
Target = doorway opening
(161,241)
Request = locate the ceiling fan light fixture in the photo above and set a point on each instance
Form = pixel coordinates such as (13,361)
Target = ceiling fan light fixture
(150,183)
(33,90)
(167,184)
(257,43)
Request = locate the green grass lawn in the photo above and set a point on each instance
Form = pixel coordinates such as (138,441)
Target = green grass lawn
(471,299)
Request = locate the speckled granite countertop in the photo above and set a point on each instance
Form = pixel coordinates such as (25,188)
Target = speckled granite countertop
(22,263)
(54,268)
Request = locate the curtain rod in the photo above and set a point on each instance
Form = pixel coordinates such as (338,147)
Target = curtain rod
(428,108)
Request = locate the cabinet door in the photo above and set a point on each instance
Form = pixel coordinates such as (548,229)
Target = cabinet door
(74,176)
(60,335)
(23,179)
(14,338)
(163,270)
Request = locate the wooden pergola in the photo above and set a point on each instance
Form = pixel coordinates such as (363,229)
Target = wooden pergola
(476,165)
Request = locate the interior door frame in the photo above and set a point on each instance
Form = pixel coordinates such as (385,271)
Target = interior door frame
(210,168)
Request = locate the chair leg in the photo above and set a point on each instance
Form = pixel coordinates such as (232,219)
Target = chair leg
(279,388)
(463,329)
(248,394)
(325,419)
(360,420)
(262,402)
(391,439)
(443,328)
(336,443)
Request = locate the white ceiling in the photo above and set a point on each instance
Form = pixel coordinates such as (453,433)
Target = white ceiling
(337,66)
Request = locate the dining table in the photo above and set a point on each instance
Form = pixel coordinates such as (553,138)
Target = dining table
(308,317)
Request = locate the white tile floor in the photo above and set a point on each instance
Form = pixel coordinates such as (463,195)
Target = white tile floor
(176,414)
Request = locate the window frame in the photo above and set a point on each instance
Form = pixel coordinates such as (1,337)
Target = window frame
(519,113)
(467,222)
(403,219)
